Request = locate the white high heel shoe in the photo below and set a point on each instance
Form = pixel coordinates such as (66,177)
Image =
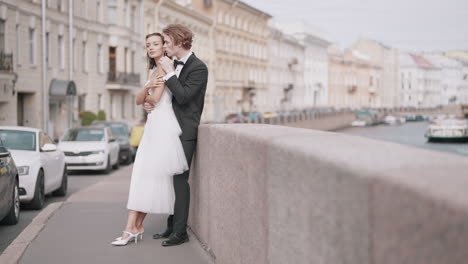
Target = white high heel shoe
(124,242)
(140,233)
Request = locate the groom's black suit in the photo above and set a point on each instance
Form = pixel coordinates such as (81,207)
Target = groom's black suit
(188,92)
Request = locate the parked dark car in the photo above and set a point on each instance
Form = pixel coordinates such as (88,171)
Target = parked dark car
(9,188)
(121,132)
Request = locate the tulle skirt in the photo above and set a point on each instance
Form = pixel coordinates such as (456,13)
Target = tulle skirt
(159,157)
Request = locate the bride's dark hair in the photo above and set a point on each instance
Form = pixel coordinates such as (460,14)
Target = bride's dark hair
(151,62)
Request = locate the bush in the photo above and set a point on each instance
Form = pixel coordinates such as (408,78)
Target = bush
(101,116)
(87,118)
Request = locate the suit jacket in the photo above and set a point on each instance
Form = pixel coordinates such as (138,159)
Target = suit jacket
(188,93)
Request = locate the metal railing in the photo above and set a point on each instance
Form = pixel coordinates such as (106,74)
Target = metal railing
(6,62)
(123,78)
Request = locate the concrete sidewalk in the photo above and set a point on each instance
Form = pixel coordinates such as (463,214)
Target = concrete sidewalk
(82,229)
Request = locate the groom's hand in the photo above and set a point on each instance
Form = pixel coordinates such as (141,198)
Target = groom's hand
(167,64)
(148,107)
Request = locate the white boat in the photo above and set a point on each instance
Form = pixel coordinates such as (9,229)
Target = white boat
(394,120)
(447,129)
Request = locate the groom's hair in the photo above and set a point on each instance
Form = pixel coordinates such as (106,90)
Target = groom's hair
(180,34)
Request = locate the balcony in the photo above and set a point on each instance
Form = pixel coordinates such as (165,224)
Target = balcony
(352,88)
(6,62)
(8,78)
(122,78)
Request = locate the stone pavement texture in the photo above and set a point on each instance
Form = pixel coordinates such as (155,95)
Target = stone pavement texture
(82,229)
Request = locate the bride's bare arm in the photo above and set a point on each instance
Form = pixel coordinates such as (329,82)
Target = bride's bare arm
(141,95)
(157,92)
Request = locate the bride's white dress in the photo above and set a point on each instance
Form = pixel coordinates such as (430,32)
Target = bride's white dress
(159,157)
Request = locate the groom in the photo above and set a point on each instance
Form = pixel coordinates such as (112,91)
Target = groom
(186,78)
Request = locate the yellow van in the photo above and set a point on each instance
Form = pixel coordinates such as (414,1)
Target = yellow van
(135,136)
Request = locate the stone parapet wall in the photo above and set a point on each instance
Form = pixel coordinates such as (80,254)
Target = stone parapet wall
(274,194)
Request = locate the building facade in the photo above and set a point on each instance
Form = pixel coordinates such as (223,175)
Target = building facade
(354,79)
(241,34)
(462,57)
(65,64)
(453,85)
(285,72)
(386,58)
(420,83)
(314,91)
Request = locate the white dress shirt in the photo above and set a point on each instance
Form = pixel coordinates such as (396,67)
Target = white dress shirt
(179,67)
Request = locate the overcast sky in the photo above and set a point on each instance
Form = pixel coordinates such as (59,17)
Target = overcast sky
(412,25)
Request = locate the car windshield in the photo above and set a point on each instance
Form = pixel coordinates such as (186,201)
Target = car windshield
(84,135)
(20,140)
(118,130)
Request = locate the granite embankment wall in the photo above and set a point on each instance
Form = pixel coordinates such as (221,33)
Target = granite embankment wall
(275,194)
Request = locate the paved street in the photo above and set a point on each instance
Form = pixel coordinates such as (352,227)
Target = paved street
(82,229)
(77,181)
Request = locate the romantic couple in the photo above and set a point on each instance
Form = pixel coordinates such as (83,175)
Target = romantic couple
(173,97)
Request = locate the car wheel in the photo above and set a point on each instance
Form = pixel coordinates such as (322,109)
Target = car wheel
(116,166)
(62,190)
(130,158)
(108,167)
(39,195)
(12,217)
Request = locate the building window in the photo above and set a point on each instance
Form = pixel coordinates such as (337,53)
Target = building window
(99,58)
(74,54)
(122,107)
(112,11)
(47,49)
(85,57)
(18,47)
(100,102)
(125,59)
(59,5)
(134,106)
(98,11)
(84,8)
(220,17)
(125,15)
(132,62)
(132,18)
(61,52)
(2,35)
(31,40)
(81,103)
(112,106)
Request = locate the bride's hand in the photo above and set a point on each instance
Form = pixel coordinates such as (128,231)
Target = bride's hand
(159,82)
(154,83)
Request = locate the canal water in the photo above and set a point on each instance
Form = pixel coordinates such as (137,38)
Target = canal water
(410,133)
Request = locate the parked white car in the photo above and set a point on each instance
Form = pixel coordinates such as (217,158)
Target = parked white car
(90,148)
(41,166)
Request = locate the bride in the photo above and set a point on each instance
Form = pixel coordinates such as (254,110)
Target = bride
(160,155)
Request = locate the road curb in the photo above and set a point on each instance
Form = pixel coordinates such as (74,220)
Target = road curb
(13,253)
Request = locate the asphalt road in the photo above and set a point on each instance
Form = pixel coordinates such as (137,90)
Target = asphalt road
(76,182)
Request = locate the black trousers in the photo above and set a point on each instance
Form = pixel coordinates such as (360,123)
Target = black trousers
(178,221)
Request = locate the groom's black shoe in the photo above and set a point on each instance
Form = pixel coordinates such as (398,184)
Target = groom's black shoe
(164,234)
(176,239)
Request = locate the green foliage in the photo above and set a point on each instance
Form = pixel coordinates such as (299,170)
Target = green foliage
(101,116)
(87,118)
